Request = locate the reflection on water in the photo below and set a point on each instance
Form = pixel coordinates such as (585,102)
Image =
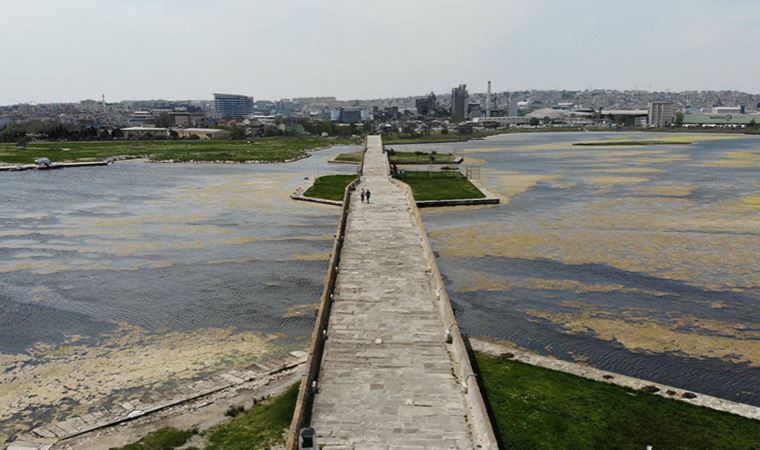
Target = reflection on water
(124,277)
(640,260)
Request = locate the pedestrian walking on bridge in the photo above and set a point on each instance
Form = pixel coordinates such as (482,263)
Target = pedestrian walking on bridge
(368,193)
(363,195)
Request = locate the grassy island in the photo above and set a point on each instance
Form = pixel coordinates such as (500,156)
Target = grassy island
(330,187)
(401,158)
(269,149)
(539,408)
(446,185)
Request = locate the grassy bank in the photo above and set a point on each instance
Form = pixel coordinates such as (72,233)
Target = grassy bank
(330,187)
(260,427)
(401,158)
(538,408)
(165,438)
(439,185)
(271,149)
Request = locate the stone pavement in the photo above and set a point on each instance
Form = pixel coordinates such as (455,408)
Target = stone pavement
(386,378)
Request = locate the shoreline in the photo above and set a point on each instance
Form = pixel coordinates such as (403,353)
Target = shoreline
(148,159)
(205,407)
(214,390)
(505,350)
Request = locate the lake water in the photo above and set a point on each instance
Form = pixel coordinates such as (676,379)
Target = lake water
(639,260)
(137,276)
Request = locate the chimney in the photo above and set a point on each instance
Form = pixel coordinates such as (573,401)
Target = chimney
(488,100)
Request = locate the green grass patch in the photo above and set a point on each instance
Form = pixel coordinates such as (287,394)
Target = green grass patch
(163,439)
(270,149)
(401,158)
(258,428)
(537,408)
(449,185)
(631,143)
(330,187)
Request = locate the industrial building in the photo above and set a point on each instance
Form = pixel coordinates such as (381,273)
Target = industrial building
(426,105)
(661,114)
(638,118)
(459,103)
(230,105)
(721,120)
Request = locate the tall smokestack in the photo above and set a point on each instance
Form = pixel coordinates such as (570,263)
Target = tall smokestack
(488,100)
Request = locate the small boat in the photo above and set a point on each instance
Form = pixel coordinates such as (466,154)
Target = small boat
(45,164)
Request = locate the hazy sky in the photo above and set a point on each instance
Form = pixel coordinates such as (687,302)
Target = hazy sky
(67,50)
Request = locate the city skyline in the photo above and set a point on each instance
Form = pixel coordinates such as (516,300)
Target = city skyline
(187,50)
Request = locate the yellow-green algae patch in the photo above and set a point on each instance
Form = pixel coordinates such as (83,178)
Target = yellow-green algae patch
(478,281)
(698,258)
(508,185)
(641,334)
(668,190)
(131,358)
(615,180)
(737,160)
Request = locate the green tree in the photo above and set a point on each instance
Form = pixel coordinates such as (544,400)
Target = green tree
(534,122)
(164,120)
(679,119)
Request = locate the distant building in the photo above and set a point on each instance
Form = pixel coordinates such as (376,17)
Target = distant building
(721,120)
(203,134)
(264,120)
(503,121)
(474,110)
(459,103)
(661,114)
(729,110)
(229,105)
(185,119)
(513,110)
(141,118)
(625,117)
(145,133)
(350,115)
(426,105)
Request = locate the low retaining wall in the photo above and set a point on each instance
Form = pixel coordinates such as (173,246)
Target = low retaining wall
(458,202)
(482,429)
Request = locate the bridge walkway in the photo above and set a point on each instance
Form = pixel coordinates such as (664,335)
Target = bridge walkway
(387,378)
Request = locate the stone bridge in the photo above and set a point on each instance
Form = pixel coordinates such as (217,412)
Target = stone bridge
(387,366)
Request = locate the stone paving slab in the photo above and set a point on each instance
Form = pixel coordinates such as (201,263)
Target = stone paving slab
(386,379)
